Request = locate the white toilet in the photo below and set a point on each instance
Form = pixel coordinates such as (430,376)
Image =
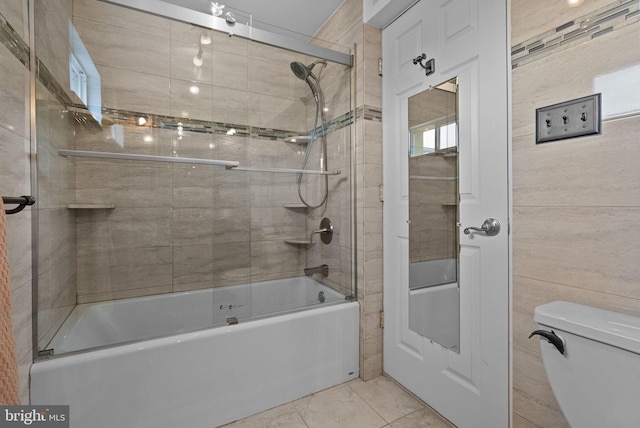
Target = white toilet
(597,379)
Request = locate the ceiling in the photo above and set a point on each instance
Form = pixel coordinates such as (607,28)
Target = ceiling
(298,16)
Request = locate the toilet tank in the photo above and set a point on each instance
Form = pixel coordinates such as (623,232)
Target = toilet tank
(597,379)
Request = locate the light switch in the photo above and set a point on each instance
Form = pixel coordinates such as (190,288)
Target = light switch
(569,119)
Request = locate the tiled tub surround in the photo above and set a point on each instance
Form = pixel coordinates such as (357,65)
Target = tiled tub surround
(182,227)
(346,28)
(208,377)
(575,201)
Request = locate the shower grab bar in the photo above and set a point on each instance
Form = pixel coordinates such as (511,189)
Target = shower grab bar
(230,165)
(150,158)
(285,170)
(22,202)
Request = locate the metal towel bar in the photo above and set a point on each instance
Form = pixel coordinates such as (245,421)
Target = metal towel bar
(22,202)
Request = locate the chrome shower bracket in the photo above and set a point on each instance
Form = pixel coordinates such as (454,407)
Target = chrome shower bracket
(429,66)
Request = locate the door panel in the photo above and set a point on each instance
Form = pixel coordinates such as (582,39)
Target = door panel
(470,388)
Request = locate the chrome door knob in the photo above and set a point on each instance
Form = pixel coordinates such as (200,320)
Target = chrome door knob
(490,227)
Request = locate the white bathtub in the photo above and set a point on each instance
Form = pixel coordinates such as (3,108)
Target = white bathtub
(434,301)
(202,378)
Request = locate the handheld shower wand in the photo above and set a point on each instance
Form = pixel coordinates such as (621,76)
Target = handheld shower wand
(305,72)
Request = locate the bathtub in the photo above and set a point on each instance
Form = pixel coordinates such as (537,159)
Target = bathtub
(175,361)
(434,301)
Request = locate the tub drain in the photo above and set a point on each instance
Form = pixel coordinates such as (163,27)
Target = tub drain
(321,297)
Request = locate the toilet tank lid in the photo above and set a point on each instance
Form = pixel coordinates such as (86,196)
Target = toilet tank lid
(612,328)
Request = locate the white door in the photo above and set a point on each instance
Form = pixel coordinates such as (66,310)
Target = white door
(467,39)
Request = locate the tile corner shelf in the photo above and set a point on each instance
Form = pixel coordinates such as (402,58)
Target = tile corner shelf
(91,206)
(295,206)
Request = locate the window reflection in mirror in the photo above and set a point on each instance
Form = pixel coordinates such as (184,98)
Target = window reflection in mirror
(433,215)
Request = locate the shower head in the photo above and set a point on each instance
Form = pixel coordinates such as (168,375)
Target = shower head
(303,72)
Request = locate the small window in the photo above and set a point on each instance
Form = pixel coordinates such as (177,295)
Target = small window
(84,79)
(431,137)
(78,78)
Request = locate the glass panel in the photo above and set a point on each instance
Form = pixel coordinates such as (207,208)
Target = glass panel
(114,229)
(433,215)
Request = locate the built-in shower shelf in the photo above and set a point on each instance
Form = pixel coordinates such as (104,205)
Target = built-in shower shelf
(91,206)
(297,241)
(295,206)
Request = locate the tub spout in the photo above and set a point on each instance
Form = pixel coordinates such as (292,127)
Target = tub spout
(322,270)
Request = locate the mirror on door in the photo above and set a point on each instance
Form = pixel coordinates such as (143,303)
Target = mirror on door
(434,293)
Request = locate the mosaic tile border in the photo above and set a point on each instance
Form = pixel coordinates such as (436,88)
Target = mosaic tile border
(12,41)
(369,113)
(113,116)
(612,17)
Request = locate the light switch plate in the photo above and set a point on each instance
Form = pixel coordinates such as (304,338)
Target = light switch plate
(569,119)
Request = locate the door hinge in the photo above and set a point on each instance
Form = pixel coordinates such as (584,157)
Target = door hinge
(381,191)
(379,66)
(381,319)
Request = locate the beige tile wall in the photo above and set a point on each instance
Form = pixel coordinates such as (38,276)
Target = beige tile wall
(576,208)
(14,181)
(345,28)
(432,229)
(184,227)
(179,227)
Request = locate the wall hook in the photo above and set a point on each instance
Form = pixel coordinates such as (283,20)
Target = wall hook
(429,66)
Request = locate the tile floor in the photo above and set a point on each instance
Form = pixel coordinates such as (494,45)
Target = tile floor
(377,403)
